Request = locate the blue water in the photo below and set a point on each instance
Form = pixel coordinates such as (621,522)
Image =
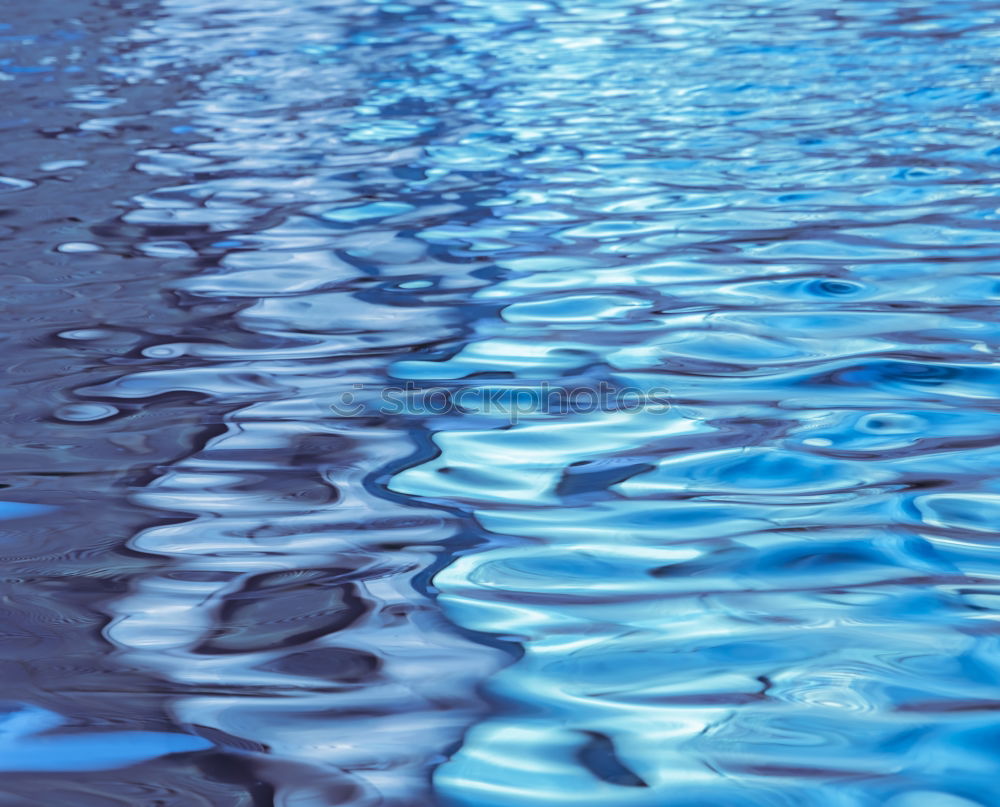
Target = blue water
(294,517)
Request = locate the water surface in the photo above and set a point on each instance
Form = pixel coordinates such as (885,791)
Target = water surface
(776,590)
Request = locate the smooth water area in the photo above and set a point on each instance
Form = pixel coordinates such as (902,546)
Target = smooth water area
(501,404)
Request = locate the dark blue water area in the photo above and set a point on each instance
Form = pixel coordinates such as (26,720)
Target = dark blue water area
(500,404)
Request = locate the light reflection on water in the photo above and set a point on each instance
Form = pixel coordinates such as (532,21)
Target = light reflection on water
(778,592)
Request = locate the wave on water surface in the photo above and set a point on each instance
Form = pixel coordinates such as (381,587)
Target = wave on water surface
(768,580)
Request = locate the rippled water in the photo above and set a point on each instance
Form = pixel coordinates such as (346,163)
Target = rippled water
(226,222)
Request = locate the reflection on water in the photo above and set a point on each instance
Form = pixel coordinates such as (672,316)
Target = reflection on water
(776,591)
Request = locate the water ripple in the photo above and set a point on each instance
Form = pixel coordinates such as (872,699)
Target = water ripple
(773,583)
(777,214)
